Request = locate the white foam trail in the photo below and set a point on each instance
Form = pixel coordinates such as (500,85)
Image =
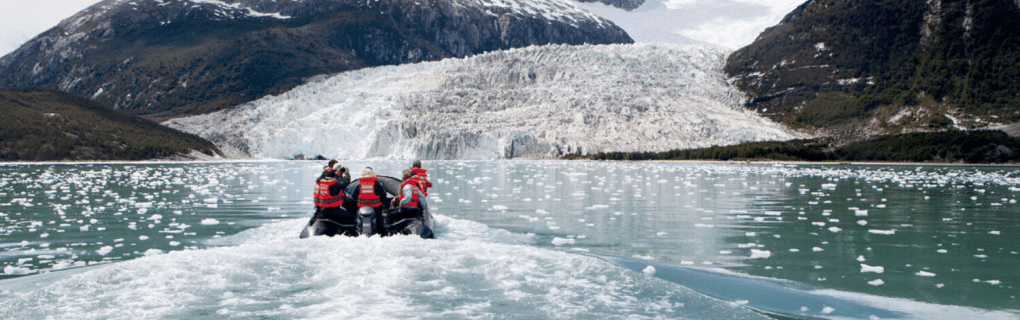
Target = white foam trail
(273,274)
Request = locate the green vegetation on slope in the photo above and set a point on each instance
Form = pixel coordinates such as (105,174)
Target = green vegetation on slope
(949,146)
(42,125)
(839,64)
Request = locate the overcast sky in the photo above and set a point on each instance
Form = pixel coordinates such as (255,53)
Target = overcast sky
(727,23)
(21,20)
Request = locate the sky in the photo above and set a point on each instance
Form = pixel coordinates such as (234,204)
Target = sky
(730,24)
(21,20)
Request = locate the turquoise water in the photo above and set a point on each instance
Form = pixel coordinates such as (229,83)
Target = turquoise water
(532,239)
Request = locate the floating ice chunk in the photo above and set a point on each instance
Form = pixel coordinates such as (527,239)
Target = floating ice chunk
(862,222)
(155,217)
(829,186)
(210,222)
(861,213)
(561,241)
(14,271)
(817,249)
(143,238)
(174,243)
(104,250)
(818,223)
(751,234)
(995,232)
(499,207)
(540,211)
(876,282)
(152,252)
(773,213)
(876,269)
(760,254)
(649,270)
(923,273)
(885,232)
(828,310)
(940,285)
(994,282)
(942,251)
(835,229)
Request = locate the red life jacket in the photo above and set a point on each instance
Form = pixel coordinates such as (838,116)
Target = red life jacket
(322,197)
(423,180)
(415,188)
(367,197)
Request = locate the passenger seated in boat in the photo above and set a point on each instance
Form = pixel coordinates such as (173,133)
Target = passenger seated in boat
(343,175)
(411,199)
(329,199)
(422,177)
(369,192)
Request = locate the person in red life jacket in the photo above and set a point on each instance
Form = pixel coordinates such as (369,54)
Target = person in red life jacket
(329,199)
(331,166)
(412,199)
(423,177)
(369,192)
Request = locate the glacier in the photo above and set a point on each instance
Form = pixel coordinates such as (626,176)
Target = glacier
(530,103)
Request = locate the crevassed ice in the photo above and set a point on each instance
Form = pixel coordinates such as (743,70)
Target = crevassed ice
(535,102)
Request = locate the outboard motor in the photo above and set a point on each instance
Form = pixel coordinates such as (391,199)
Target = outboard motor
(366,220)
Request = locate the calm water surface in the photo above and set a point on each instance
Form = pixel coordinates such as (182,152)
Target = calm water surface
(535,239)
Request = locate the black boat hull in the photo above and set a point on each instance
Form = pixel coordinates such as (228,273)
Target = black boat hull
(392,222)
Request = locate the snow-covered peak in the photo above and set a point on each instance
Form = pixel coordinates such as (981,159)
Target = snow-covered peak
(535,102)
(228,8)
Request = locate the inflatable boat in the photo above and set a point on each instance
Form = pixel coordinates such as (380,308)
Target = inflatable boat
(364,222)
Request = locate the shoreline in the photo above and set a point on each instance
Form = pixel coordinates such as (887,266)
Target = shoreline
(748,162)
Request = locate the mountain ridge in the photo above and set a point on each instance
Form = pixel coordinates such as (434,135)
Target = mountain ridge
(853,69)
(165,58)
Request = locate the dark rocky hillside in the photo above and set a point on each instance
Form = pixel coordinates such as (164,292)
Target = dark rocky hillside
(858,68)
(44,125)
(165,58)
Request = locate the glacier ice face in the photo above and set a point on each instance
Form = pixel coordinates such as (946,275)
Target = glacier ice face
(535,102)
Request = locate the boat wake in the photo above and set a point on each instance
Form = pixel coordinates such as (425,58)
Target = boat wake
(468,271)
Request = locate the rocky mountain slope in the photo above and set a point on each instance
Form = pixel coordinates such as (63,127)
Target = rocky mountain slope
(535,102)
(164,58)
(857,68)
(43,125)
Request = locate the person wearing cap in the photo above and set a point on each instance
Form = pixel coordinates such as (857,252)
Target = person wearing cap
(369,192)
(342,176)
(423,177)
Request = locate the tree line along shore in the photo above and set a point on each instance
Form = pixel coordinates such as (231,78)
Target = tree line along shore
(952,147)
